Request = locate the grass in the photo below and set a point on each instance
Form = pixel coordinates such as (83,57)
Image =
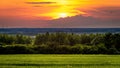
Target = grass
(59,61)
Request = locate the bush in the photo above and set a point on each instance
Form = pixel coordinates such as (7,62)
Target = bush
(60,43)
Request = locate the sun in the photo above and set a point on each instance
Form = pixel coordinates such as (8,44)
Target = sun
(63,15)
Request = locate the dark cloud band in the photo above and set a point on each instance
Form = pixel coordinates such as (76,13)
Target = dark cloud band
(40,2)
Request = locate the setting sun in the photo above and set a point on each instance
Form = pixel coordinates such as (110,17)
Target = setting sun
(63,15)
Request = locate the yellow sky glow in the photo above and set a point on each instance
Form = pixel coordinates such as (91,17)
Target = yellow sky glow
(50,9)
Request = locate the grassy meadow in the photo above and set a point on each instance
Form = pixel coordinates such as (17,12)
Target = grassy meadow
(59,61)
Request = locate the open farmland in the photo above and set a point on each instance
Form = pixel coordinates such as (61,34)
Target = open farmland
(59,61)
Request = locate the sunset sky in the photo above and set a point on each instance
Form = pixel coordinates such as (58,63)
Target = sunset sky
(60,13)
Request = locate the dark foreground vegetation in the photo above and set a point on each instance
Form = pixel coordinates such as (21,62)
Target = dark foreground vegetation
(60,43)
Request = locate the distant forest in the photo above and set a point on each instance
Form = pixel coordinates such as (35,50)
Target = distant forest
(60,43)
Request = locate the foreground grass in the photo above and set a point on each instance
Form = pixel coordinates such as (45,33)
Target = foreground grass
(59,61)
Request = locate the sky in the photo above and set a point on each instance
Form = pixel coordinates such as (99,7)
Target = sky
(60,13)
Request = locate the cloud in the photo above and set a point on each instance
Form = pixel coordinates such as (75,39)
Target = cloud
(38,6)
(40,2)
(110,11)
(54,6)
(21,23)
(104,12)
(100,17)
(80,21)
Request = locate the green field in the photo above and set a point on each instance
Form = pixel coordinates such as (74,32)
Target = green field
(59,61)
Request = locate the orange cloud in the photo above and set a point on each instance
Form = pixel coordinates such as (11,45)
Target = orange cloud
(40,2)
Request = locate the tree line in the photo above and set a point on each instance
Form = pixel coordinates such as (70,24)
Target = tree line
(60,43)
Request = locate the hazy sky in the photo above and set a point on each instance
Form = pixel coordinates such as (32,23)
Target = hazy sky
(60,13)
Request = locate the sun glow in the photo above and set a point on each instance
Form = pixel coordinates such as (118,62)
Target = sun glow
(63,15)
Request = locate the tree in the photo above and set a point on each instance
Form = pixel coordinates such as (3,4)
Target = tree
(108,40)
(21,39)
(116,41)
(85,39)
